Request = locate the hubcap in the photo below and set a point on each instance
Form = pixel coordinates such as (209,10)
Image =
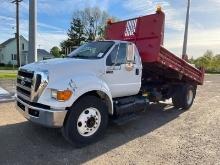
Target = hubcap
(189,97)
(88,122)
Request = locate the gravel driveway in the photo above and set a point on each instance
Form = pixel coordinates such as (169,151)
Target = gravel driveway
(161,135)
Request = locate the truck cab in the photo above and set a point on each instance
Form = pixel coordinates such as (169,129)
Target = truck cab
(46,90)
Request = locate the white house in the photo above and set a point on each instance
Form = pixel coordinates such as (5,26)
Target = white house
(8,52)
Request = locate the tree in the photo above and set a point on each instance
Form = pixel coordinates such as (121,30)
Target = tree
(55,51)
(87,25)
(94,21)
(208,61)
(75,33)
(191,60)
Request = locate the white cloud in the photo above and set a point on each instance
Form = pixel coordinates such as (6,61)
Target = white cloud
(48,37)
(48,40)
(199,41)
(174,19)
(200,38)
(54,7)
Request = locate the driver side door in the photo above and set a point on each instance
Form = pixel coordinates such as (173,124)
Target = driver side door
(121,81)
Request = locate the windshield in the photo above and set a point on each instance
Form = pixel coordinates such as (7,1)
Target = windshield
(92,50)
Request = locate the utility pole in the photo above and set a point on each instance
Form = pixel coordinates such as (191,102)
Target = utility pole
(184,54)
(32,53)
(17,30)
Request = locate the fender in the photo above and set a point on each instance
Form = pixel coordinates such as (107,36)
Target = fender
(80,85)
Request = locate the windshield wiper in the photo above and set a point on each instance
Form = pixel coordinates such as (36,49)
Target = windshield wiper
(85,57)
(80,56)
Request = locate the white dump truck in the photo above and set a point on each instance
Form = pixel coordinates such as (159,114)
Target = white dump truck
(115,77)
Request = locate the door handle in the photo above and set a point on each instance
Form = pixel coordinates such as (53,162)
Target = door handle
(137,72)
(109,72)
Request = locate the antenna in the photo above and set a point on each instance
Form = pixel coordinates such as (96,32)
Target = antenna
(184,54)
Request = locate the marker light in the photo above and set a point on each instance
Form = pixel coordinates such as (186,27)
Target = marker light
(109,21)
(159,9)
(61,95)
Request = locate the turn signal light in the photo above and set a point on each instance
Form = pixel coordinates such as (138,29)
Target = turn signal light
(61,95)
(64,95)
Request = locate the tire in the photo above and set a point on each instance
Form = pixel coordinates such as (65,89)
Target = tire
(184,96)
(86,122)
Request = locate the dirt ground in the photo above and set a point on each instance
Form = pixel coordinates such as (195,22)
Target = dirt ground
(9,85)
(161,135)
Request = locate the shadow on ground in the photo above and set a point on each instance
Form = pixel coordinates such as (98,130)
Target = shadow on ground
(25,143)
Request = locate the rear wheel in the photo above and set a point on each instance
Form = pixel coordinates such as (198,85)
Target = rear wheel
(184,96)
(87,121)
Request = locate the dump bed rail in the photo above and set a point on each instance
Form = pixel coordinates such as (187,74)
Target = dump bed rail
(184,69)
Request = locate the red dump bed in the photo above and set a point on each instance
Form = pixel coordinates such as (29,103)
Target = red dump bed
(147,33)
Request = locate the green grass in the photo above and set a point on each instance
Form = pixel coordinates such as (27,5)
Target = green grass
(212,72)
(8,68)
(8,75)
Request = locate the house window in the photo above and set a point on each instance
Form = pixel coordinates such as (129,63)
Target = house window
(22,46)
(13,57)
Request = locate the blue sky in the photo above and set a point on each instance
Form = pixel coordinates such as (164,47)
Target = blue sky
(54,17)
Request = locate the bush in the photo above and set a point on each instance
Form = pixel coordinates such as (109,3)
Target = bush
(208,61)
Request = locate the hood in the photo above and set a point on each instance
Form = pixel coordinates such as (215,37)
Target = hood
(66,66)
(49,64)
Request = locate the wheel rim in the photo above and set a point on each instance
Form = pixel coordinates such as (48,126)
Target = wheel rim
(189,97)
(88,122)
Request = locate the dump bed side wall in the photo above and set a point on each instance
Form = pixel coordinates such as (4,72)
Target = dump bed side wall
(146,32)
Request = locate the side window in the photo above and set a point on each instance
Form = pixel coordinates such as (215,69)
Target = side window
(112,56)
(117,56)
(121,59)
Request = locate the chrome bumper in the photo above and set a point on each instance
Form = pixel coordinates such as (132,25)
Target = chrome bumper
(49,118)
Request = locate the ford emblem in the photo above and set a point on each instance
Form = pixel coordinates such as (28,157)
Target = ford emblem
(23,82)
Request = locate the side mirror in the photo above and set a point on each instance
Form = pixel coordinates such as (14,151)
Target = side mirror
(130,57)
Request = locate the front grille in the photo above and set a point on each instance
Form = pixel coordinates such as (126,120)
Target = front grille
(26,74)
(24,91)
(27,84)
(38,82)
(30,85)
(24,84)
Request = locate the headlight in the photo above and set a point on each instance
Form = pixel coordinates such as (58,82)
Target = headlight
(61,95)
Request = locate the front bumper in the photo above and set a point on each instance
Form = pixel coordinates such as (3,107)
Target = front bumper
(47,117)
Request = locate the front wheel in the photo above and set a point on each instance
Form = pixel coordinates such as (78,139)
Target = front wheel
(86,122)
(184,96)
